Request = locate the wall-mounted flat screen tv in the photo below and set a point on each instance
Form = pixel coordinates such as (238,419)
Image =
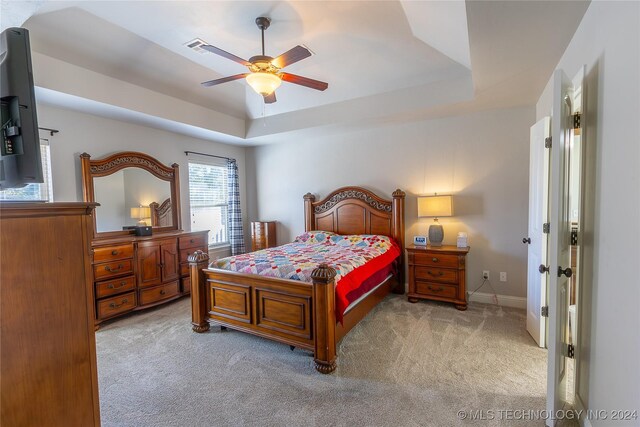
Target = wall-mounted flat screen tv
(20,162)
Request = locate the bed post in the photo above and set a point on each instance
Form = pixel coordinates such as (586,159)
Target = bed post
(309,220)
(324,318)
(398,234)
(197,262)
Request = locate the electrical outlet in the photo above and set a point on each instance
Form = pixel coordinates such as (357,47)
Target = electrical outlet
(503,276)
(485,274)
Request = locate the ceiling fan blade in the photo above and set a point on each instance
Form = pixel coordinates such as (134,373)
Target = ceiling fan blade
(224,80)
(270,99)
(304,81)
(296,54)
(226,54)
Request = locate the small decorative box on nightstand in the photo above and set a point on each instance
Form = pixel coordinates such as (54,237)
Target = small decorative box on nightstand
(438,273)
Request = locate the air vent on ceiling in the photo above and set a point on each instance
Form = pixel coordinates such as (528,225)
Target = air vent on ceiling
(195,45)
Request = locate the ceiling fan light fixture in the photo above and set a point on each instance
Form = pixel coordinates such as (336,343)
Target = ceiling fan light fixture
(263,83)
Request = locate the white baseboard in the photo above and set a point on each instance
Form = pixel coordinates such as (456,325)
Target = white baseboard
(503,300)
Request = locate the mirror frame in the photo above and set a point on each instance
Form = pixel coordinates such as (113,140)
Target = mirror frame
(126,159)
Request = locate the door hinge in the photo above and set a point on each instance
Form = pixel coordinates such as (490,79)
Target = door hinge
(574,237)
(547,142)
(570,351)
(576,121)
(544,311)
(546,228)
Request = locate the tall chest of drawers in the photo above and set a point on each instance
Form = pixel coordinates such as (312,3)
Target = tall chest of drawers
(438,273)
(263,235)
(134,273)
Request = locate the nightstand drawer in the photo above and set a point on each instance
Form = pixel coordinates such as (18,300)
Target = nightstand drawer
(437,274)
(436,260)
(436,289)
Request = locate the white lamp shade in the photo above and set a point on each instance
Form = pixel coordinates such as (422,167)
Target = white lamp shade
(263,83)
(435,206)
(141,212)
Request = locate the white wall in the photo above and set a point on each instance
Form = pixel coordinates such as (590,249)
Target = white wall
(481,158)
(100,137)
(608,43)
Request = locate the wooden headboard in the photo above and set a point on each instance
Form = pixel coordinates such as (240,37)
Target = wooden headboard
(355,210)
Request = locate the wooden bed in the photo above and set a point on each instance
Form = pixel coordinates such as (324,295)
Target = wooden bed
(297,313)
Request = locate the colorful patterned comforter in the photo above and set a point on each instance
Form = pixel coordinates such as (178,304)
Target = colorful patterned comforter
(351,256)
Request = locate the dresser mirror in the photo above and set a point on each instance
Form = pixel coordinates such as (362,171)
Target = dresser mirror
(133,189)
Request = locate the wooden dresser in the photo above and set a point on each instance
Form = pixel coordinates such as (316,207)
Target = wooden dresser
(263,235)
(438,273)
(48,370)
(133,273)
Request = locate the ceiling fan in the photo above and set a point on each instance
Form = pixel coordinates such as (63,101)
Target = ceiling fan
(264,74)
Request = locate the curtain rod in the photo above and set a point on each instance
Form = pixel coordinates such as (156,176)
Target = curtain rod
(52,131)
(207,155)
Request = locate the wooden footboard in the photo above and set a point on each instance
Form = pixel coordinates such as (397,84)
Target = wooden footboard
(292,312)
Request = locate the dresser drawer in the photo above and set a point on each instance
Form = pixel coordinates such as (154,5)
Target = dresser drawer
(195,241)
(436,274)
(112,269)
(436,289)
(110,307)
(117,286)
(112,253)
(158,293)
(436,260)
(184,253)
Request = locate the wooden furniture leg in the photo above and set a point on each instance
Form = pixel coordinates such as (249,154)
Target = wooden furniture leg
(324,318)
(198,261)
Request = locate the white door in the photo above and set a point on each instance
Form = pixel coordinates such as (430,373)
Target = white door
(536,238)
(559,242)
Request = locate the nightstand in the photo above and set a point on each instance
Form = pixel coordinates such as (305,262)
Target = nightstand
(438,273)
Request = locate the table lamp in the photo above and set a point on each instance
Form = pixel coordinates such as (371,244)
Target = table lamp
(435,206)
(141,213)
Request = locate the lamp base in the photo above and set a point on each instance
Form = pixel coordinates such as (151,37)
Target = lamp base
(436,235)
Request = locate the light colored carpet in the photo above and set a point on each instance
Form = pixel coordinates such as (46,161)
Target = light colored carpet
(403,365)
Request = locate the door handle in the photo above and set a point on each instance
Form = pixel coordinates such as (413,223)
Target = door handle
(526,240)
(543,269)
(567,272)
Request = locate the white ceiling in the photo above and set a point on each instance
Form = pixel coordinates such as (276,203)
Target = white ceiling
(383,60)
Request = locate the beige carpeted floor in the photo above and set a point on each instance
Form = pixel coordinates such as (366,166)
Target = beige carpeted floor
(404,365)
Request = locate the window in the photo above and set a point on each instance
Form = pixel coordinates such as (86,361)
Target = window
(208,200)
(42,191)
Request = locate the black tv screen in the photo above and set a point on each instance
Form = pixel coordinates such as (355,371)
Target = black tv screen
(20,162)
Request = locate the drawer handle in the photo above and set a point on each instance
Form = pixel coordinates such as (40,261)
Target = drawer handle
(440,273)
(434,259)
(440,289)
(162,292)
(114,305)
(114,252)
(113,270)
(111,286)
(191,241)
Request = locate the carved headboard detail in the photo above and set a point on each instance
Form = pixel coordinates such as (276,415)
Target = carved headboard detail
(161,214)
(355,210)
